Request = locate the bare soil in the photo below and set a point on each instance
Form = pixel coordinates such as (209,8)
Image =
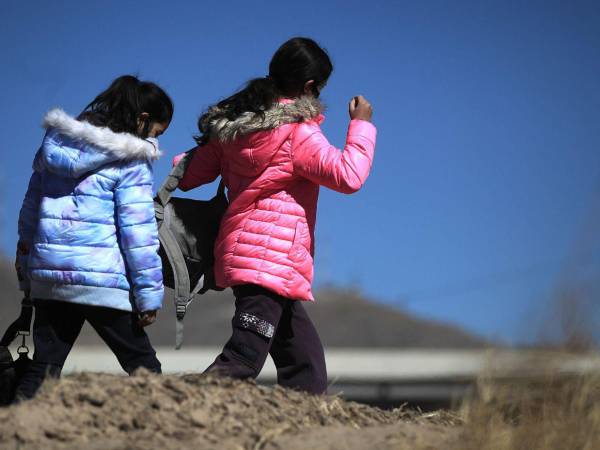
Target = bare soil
(147,412)
(108,412)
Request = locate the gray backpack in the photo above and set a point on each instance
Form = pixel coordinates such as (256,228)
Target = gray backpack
(187,230)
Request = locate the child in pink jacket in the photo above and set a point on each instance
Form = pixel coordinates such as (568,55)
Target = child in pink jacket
(267,144)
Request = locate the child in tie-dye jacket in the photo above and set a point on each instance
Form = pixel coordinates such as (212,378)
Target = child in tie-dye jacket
(88,239)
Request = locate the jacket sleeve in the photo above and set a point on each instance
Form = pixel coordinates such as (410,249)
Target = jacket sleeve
(138,235)
(316,159)
(28,222)
(204,167)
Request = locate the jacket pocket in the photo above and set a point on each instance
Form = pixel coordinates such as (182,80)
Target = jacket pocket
(299,253)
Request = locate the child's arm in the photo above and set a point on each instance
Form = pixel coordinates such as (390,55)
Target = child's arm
(28,221)
(316,159)
(204,167)
(138,235)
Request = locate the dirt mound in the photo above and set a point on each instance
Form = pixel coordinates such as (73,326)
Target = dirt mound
(147,412)
(98,411)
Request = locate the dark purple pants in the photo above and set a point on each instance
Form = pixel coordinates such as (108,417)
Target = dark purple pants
(266,323)
(56,327)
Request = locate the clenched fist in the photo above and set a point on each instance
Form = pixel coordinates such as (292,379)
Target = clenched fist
(360,108)
(147,318)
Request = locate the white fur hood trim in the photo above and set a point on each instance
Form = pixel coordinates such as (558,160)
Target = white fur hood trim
(124,146)
(225,130)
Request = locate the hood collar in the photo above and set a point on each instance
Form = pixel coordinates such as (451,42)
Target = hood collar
(281,113)
(123,146)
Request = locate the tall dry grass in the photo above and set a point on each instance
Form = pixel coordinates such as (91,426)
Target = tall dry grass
(554,411)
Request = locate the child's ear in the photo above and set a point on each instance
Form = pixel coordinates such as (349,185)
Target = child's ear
(143,117)
(309,87)
(143,124)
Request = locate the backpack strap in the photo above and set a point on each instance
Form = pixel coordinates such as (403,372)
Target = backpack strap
(170,245)
(21,326)
(172,181)
(183,296)
(184,293)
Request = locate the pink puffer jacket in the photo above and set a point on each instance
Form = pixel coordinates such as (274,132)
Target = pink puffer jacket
(273,167)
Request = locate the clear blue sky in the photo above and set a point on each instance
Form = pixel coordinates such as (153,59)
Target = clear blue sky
(487,165)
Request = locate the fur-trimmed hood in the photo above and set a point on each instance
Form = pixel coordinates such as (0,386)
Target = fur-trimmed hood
(72,147)
(225,130)
(124,146)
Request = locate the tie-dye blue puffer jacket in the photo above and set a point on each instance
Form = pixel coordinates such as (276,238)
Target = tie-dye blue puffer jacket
(88,218)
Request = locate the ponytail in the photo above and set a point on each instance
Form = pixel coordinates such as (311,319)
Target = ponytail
(119,107)
(256,97)
(293,64)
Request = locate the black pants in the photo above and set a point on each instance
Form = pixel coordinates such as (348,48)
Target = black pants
(266,323)
(56,327)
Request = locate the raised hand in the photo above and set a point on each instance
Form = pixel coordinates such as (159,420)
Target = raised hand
(360,108)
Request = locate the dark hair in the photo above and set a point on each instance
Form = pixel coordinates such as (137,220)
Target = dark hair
(293,64)
(119,107)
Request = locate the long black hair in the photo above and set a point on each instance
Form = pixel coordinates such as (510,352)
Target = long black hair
(297,61)
(119,107)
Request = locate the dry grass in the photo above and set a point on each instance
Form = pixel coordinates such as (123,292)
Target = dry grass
(551,412)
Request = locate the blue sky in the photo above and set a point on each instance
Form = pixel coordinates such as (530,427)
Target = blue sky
(482,201)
